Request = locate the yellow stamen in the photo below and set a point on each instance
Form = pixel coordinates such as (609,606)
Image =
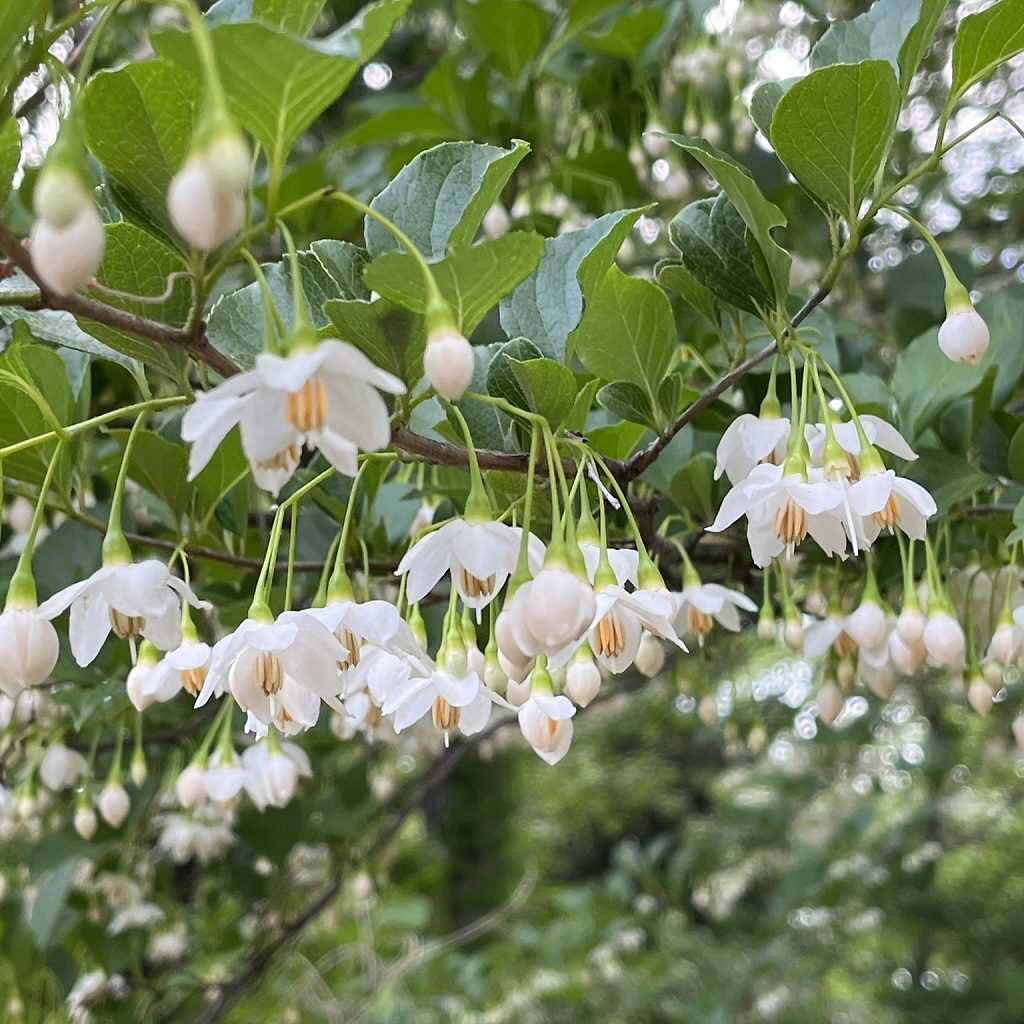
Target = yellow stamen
(127,627)
(473,586)
(698,622)
(610,636)
(889,514)
(350,642)
(844,645)
(193,678)
(284,459)
(269,673)
(443,715)
(307,407)
(791,523)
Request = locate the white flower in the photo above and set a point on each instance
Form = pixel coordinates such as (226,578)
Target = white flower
(114,804)
(782,510)
(448,363)
(886,500)
(964,336)
(273,772)
(625,562)
(30,647)
(907,657)
(205,835)
(61,767)
(205,211)
(85,821)
(190,785)
(546,722)
(280,671)
(832,631)
(830,701)
(184,668)
(697,604)
(137,599)
(749,440)
(135,915)
(327,396)
(479,555)
(453,702)
(557,609)
(650,656)
(224,777)
(868,625)
(620,618)
(68,237)
(878,432)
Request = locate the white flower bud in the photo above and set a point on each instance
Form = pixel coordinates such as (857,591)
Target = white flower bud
(793,634)
(979,694)
(830,702)
(816,604)
(475,660)
(707,710)
(136,686)
(495,678)
(114,804)
(583,680)
(881,681)
(650,656)
(281,778)
(964,336)
(448,363)
(867,625)
(68,258)
(1004,643)
(61,767)
(944,640)
(910,626)
(560,609)
(203,212)
(908,658)
(765,628)
(227,159)
(85,821)
(30,647)
(993,673)
(137,770)
(190,786)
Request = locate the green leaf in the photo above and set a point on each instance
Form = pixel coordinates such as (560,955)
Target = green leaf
(330,270)
(549,388)
(297,79)
(711,238)
(917,42)
(764,101)
(297,16)
(878,33)
(391,336)
(670,274)
(502,381)
(626,36)
(509,32)
(832,130)
(628,402)
(693,486)
(16,18)
(758,213)
(548,305)
(60,328)
(137,263)
(628,332)
(10,153)
(947,477)
(1015,456)
(471,280)
(618,440)
(158,465)
(440,197)
(984,41)
(1017,534)
(21,417)
(138,124)
(50,905)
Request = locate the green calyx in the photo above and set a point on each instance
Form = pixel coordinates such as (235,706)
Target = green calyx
(540,678)
(771,407)
(64,188)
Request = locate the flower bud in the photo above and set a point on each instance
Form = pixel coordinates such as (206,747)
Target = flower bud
(944,640)
(60,196)
(281,778)
(561,608)
(908,658)
(964,336)
(583,679)
(910,625)
(30,647)
(707,710)
(136,685)
(495,678)
(881,681)
(114,804)
(61,767)
(830,701)
(793,634)
(448,363)
(518,692)
(1004,643)
(993,673)
(227,159)
(68,258)
(650,656)
(979,694)
(867,625)
(85,821)
(845,673)
(204,212)
(190,786)
(137,770)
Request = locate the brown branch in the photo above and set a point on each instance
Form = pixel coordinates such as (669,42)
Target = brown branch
(444,453)
(194,344)
(639,461)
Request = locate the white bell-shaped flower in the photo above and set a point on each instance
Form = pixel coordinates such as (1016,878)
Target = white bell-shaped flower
(68,237)
(559,608)
(750,440)
(327,396)
(546,722)
(964,336)
(184,668)
(650,656)
(886,501)
(582,678)
(30,647)
(274,770)
(137,599)
(910,624)
(698,605)
(190,785)
(620,619)
(944,641)
(480,556)
(85,821)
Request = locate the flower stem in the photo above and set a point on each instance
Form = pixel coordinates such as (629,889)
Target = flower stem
(23,585)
